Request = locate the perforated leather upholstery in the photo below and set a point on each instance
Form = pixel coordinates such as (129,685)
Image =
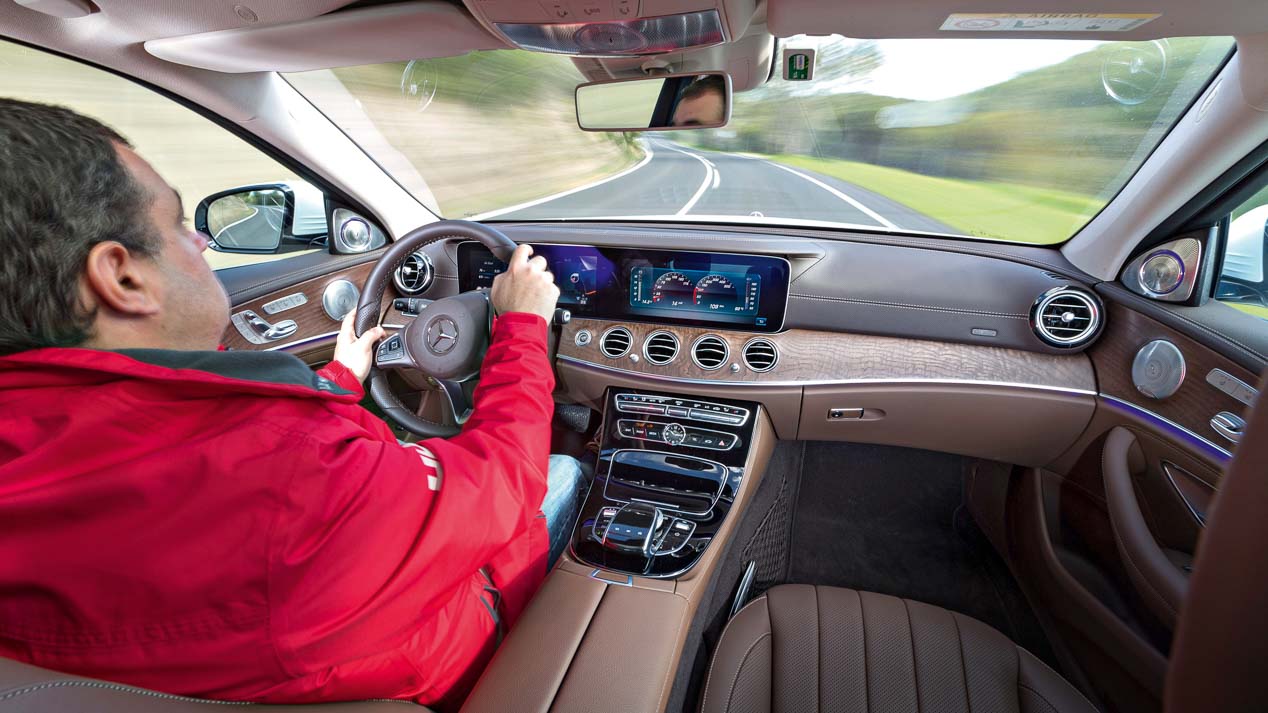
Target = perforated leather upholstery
(819,649)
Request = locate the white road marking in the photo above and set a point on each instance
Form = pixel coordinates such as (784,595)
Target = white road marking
(717,177)
(709,173)
(240,221)
(864,209)
(647,147)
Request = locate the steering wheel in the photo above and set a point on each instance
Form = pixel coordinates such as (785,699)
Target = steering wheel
(446,342)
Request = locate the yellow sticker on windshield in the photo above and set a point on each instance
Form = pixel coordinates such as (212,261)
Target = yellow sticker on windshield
(1047,22)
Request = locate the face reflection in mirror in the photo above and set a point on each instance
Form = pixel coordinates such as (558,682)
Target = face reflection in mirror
(703,103)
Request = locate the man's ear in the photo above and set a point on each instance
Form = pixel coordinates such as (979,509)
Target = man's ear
(116,279)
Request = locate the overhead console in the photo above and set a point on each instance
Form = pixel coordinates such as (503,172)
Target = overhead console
(748,292)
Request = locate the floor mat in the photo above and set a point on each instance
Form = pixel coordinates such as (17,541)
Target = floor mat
(889,520)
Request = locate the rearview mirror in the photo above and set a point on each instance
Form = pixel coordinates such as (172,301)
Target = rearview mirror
(667,102)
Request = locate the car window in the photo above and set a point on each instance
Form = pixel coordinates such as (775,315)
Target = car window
(192,153)
(1241,283)
(1010,140)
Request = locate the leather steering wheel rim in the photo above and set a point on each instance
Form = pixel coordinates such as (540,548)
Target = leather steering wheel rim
(369,308)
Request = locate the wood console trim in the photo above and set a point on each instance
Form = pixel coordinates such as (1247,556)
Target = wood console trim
(311,317)
(1195,402)
(807,357)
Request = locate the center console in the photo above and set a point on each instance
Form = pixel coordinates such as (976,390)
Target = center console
(668,473)
(675,476)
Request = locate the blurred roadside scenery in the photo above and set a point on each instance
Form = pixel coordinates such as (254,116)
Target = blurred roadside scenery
(1018,140)
(193,154)
(1030,158)
(468,134)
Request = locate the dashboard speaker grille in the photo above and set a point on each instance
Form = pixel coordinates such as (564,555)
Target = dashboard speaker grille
(760,354)
(616,342)
(660,348)
(1066,317)
(414,275)
(710,352)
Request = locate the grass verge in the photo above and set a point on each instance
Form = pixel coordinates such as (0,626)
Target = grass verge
(1017,213)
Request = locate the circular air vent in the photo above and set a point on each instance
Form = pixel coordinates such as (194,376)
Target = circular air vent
(415,274)
(660,348)
(1066,317)
(710,352)
(616,342)
(760,354)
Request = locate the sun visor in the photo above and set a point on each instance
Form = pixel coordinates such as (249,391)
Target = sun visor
(369,35)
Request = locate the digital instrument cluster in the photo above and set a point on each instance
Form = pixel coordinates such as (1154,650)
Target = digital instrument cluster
(669,286)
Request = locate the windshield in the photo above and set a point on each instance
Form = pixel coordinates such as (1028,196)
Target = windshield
(1017,140)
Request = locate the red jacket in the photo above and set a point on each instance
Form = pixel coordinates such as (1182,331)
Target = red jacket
(230,525)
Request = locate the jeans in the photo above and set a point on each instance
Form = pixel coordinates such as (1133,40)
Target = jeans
(565,488)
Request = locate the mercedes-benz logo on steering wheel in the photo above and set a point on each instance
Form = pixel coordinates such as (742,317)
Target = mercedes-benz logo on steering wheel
(442,335)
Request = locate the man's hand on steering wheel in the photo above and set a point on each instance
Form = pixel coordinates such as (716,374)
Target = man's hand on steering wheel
(356,353)
(526,286)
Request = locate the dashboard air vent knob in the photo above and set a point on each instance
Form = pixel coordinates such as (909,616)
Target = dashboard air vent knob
(760,354)
(415,274)
(1067,317)
(616,342)
(710,352)
(660,348)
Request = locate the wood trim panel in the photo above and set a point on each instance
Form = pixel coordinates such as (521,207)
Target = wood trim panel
(815,356)
(1196,401)
(310,316)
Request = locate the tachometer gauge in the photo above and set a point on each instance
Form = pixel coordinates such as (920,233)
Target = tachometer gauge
(672,289)
(714,293)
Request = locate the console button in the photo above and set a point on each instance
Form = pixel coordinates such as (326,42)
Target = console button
(677,411)
(675,537)
(602,521)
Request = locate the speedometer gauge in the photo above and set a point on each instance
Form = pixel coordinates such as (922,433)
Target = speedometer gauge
(672,289)
(715,293)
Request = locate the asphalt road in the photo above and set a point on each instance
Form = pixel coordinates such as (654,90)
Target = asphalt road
(677,180)
(260,229)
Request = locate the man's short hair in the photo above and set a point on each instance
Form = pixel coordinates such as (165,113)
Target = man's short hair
(63,189)
(704,85)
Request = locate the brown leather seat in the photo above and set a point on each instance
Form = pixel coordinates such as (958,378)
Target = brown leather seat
(808,649)
(29,689)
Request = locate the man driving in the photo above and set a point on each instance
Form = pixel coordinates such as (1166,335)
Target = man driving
(703,103)
(227,524)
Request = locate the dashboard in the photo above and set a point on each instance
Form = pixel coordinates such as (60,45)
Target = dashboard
(698,289)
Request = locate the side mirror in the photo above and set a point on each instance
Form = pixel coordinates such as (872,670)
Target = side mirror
(667,102)
(264,218)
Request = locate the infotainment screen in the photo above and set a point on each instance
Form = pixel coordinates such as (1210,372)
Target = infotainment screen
(668,286)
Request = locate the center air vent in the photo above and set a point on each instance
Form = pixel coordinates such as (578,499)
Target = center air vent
(710,352)
(414,275)
(1066,317)
(616,342)
(660,348)
(760,354)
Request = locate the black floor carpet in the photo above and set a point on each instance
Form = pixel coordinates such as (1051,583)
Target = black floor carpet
(889,520)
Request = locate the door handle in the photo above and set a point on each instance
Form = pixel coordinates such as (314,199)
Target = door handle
(1229,425)
(258,330)
(1161,584)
